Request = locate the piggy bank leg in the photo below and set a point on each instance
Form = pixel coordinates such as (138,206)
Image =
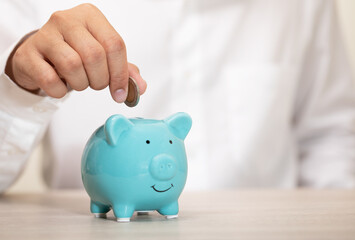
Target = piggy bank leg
(98,209)
(123,213)
(170,211)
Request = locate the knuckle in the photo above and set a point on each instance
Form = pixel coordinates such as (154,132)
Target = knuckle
(57,94)
(24,51)
(19,55)
(99,85)
(71,63)
(119,79)
(114,44)
(94,55)
(135,67)
(57,16)
(81,87)
(47,79)
(88,6)
(43,37)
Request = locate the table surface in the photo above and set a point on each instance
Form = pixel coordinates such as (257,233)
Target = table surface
(243,214)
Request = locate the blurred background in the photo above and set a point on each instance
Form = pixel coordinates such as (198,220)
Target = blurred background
(31,179)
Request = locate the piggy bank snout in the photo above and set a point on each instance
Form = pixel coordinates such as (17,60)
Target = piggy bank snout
(163,167)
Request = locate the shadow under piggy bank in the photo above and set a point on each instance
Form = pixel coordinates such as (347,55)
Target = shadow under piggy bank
(136,164)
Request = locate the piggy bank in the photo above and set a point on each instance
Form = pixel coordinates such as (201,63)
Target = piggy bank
(136,164)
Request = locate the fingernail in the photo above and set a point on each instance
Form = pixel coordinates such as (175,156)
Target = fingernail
(120,95)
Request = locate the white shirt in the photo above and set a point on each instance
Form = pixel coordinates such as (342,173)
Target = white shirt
(267,84)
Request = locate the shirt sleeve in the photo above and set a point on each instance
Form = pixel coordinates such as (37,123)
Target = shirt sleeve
(23,120)
(325,107)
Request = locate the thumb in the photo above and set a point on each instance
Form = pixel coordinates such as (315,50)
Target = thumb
(119,85)
(119,89)
(134,72)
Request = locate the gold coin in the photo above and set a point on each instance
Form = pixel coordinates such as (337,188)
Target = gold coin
(133,93)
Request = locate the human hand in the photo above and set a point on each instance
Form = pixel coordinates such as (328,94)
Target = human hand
(78,47)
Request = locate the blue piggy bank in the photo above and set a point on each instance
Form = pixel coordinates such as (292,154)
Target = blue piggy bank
(136,165)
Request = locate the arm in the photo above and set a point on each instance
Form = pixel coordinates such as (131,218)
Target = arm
(23,120)
(76,47)
(23,115)
(325,108)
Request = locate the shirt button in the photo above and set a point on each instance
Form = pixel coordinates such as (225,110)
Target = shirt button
(11,152)
(187,75)
(39,109)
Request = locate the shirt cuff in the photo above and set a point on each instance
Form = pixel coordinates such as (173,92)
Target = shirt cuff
(24,117)
(18,102)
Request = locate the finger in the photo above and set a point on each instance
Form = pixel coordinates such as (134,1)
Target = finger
(135,74)
(45,76)
(66,61)
(21,68)
(115,50)
(91,53)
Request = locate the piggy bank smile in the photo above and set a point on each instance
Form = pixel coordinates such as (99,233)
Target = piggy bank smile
(161,191)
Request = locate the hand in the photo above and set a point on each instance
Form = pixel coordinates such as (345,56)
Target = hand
(78,47)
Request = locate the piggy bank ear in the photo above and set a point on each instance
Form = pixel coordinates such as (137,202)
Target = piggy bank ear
(115,126)
(179,124)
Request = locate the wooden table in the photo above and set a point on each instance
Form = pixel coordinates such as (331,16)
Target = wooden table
(258,214)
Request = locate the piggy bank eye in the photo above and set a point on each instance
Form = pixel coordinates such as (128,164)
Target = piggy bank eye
(147,141)
(171,142)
